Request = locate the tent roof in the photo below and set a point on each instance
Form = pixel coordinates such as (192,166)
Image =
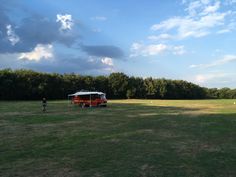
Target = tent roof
(86,93)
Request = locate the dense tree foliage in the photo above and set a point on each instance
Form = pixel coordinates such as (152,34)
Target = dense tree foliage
(28,85)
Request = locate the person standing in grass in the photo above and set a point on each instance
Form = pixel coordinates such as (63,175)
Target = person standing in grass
(44,104)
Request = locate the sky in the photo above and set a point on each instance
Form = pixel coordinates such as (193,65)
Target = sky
(192,40)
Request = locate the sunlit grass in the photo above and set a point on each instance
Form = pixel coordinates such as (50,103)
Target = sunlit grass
(128,138)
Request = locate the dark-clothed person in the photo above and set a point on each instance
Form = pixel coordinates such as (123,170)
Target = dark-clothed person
(44,104)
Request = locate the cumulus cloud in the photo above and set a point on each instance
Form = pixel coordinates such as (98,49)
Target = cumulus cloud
(12,37)
(193,7)
(61,64)
(211,8)
(179,50)
(107,61)
(222,31)
(31,31)
(228,28)
(203,18)
(204,78)
(214,79)
(66,21)
(8,37)
(202,7)
(160,37)
(43,30)
(29,44)
(39,52)
(154,49)
(139,49)
(188,27)
(226,59)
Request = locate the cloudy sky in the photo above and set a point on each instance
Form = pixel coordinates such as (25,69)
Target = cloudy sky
(192,40)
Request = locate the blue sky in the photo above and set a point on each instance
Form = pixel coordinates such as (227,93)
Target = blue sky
(192,40)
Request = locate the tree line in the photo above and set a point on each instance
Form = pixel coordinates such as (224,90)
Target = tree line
(31,85)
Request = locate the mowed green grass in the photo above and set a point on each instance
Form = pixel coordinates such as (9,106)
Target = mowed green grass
(129,138)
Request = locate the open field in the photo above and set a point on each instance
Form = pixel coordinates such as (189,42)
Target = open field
(129,138)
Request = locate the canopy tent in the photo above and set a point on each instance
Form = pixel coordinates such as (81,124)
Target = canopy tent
(81,93)
(86,93)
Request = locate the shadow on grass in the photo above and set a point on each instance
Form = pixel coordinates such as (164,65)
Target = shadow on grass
(59,112)
(63,112)
(121,140)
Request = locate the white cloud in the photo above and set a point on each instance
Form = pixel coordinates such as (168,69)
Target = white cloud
(229,28)
(203,18)
(189,27)
(99,18)
(211,8)
(66,21)
(168,24)
(194,7)
(139,49)
(178,50)
(163,36)
(40,51)
(212,79)
(209,77)
(107,61)
(155,49)
(12,37)
(202,7)
(226,59)
(224,31)
(136,46)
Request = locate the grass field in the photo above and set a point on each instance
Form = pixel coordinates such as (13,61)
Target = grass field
(129,138)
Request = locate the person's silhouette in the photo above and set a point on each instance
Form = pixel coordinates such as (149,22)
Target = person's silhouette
(44,104)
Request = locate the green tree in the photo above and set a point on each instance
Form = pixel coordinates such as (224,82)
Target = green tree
(118,83)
